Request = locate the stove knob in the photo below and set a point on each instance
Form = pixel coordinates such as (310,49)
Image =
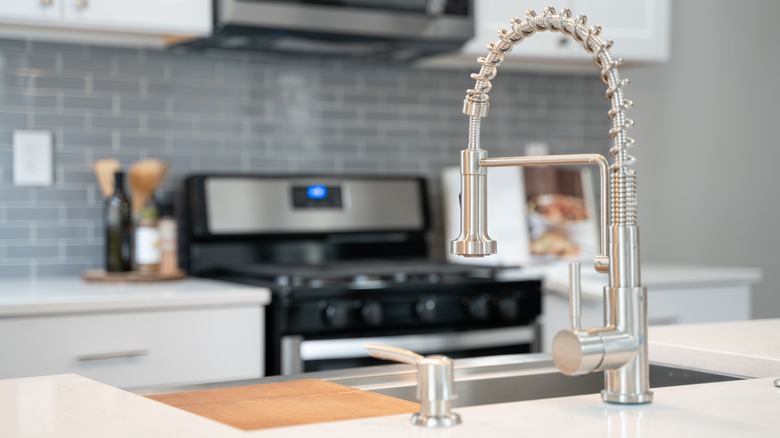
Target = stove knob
(372,313)
(509,308)
(425,309)
(336,315)
(479,308)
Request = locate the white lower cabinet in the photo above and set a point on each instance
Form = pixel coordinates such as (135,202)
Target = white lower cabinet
(137,349)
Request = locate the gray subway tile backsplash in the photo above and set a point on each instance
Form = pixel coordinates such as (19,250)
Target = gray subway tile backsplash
(15,271)
(79,250)
(128,84)
(245,112)
(129,104)
(28,99)
(10,119)
(13,233)
(32,251)
(19,214)
(76,233)
(104,102)
(50,120)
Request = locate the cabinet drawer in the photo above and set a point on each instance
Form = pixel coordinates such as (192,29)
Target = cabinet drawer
(137,349)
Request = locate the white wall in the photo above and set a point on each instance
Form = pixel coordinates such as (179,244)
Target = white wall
(707,132)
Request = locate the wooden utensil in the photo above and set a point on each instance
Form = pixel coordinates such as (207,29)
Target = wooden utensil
(104,170)
(145,176)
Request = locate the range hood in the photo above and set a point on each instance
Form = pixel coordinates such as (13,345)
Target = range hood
(388,30)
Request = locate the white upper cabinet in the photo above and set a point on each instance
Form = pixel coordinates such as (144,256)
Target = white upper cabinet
(640,29)
(90,20)
(44,11)
(148,16)
(491,15)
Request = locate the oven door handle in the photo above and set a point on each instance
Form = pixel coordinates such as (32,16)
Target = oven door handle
(323,349)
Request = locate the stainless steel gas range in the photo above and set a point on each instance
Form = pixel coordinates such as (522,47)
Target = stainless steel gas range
(347,261)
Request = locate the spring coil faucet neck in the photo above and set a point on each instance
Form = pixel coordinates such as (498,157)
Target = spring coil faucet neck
(620,347)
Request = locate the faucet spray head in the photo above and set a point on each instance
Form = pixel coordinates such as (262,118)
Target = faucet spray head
(473,240)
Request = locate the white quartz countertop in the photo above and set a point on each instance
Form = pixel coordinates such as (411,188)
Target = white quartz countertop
(73,295)
(740,348)
(72,406)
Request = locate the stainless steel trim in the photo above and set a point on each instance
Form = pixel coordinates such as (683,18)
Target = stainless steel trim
(424,343)
(368,204)
(575,295)
(292,363)
(112,355)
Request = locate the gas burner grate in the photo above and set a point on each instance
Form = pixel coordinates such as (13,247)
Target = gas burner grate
(362,274)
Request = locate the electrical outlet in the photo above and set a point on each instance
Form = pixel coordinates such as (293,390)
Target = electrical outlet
(33,158)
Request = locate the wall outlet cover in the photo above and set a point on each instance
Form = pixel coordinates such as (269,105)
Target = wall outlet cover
(33,158)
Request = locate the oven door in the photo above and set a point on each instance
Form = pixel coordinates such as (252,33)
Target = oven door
(300,355)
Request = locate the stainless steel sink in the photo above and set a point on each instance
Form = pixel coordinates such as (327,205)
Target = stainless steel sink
(479,381)
(512,378)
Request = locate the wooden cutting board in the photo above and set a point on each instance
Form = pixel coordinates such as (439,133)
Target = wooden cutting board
(99,275)
(286,404)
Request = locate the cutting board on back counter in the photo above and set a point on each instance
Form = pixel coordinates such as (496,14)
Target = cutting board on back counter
(286,404)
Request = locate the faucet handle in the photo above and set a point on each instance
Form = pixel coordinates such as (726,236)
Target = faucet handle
(435,384)
(575,295)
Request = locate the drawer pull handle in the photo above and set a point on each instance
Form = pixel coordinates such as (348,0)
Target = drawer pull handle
(112,355)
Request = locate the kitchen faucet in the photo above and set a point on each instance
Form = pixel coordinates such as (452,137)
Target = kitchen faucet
(620,347)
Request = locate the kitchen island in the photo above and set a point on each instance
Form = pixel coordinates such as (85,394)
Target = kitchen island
(73,406)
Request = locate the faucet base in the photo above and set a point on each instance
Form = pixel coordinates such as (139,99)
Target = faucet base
(627,399)
(436,421)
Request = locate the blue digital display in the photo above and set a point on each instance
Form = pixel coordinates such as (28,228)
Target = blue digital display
(317,192)
(317,196)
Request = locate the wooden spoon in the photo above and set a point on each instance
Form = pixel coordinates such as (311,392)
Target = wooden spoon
(145,176)
(104,170)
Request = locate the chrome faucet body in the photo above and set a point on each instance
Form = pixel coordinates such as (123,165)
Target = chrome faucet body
(620,347)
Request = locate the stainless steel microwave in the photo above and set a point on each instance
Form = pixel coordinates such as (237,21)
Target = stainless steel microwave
(395,29)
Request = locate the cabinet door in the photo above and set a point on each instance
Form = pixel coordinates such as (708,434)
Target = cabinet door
(145,16)
(30,11)
(640,28)
(137,349)
(491,15)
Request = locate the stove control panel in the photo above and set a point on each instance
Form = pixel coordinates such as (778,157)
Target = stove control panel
(451,306)
(507,305)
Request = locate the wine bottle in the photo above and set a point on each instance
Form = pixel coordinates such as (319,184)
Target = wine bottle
(119,228)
